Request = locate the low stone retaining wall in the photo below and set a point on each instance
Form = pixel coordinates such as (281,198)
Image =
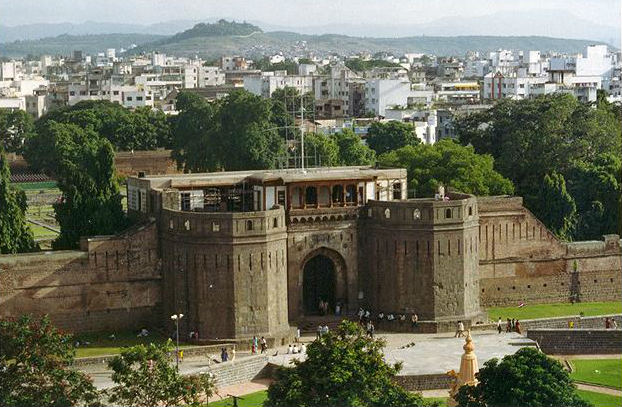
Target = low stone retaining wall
(204,351)
(241,370)
(425,382)
(596,322)
(578,341)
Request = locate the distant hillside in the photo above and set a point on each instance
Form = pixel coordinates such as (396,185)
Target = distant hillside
(221,28)
(65,44)
(260,43)
(223,37)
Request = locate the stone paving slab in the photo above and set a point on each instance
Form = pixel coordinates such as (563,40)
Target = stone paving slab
(436,353)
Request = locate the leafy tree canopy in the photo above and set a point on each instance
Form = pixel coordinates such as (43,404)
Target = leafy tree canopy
(555,133)
(526,378)
(385,137)
(83,163)
(352,151)
(35,362)
(235,133)
(343,368)
(558,209)
(361,65)
(145,376)
(15,235)
(139,129)
(15,127)
(449,164)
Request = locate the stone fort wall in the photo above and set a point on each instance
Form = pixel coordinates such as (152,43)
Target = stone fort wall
(520,260)
(112,283)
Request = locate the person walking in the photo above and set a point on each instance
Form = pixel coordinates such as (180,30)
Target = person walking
(459,330)
(508,326)
(517,327)
(264,345)
(607,323)
(414,320)
(499,329)
(297,335)
(319,332)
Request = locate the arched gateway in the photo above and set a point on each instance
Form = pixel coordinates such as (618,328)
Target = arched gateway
(323,279)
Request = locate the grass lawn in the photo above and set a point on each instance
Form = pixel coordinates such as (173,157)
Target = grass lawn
(36,186)
(533,311)
(599,399)
(40,232)
(606,372)
(257,399)
(441,401)
(249,400)
(100,344)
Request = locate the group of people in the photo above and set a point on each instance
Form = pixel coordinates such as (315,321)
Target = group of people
(321,330)
(323,307)
(259,344)
(610,323)
(511,325)
(366,316)
(294,348)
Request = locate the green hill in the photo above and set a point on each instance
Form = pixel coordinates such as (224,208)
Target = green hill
(223,37)
(65,44)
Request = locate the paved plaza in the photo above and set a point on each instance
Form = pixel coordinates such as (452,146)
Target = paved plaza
(436,353)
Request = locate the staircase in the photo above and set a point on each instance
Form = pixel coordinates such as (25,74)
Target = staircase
(309,324)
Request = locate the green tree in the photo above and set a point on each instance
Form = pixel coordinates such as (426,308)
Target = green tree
(526,378)
(321,150)
(15,235)
(597,190)
(532,138)
(343,368)
(83,163)
(195,142)
(140,129)
(235,133)
(557,208)
(352,150)
(145,376)
(449,164)
(35,366)
(385,137)
(15,127)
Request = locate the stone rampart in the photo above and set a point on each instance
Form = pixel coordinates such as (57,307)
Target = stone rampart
(112,283)
(522,261)
(578,341)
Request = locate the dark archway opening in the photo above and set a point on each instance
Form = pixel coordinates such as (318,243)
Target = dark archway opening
(318,284)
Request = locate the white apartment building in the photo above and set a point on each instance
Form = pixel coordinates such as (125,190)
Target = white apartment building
(210,76)
(265,84)
(137,98)
(382,93)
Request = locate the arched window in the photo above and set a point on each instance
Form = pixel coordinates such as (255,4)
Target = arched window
(338,194)
(249,225)
(448,213)
(350,193)
(311,195)
(470,211)
(387,213)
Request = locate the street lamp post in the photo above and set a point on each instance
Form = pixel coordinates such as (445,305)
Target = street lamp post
(176,318)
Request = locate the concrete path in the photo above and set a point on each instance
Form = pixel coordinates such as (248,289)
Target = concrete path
(599,389)
(241,389)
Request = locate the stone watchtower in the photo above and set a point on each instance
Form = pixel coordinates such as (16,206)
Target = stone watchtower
(421,255)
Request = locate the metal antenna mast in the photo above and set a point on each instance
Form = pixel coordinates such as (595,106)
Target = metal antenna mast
(302,132)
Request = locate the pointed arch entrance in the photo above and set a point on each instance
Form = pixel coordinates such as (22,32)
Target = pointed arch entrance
(323,279)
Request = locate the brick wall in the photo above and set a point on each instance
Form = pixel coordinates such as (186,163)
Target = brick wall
(113,283)
(578,341)
(149,162)
(520,260)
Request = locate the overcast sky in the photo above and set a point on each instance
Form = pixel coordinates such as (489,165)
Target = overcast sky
(291,12)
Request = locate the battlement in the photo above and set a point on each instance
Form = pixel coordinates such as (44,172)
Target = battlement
(223,224)
(457,208)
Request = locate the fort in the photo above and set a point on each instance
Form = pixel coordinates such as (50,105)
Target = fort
(253,252)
